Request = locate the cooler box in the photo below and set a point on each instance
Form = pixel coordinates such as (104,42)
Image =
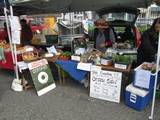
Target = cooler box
(145,79)
(137,98)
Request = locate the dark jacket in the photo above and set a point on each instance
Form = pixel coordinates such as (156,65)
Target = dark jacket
(148,47)
(26,34)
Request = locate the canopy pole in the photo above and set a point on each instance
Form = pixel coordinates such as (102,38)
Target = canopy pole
(156,79)
(15,50)
(9,33)
(71,29)
(72,15)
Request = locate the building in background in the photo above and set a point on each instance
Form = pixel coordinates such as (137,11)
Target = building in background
(147,15)
(76,16)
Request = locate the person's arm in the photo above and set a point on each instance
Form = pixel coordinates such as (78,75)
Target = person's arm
(30,33)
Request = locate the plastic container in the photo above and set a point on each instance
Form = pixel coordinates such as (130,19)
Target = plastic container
(51,39)
(107,62)
(147,76)
(137,98)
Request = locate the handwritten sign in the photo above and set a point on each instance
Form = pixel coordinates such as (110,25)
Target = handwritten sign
(105,85)
(41,76)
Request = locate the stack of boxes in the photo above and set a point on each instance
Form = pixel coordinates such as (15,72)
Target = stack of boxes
(140,92)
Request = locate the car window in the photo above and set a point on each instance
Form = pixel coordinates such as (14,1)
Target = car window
(119,16)
(119,29)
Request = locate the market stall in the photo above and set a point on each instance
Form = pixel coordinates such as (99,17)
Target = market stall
(7,49)
(112,60)
(117,63)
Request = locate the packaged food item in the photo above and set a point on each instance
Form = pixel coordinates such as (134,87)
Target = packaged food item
(30,54)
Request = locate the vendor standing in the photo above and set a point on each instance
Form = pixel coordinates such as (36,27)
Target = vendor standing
(103,35)
(26,33)
(4,34)
(149,43)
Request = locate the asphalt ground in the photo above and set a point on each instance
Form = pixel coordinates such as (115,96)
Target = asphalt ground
(67,102)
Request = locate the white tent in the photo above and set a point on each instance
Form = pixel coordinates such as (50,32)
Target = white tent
(3,7)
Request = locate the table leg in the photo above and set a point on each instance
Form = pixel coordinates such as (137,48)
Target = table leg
(63,77)
(59,74)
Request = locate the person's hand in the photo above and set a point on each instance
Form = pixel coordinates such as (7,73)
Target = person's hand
(102,45)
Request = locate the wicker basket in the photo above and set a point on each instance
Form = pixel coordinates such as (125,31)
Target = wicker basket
(52,59)
(29,56)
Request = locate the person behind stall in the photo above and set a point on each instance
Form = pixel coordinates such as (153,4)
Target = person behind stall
(26,33)
(128,35)
(103,35)
(6,33)
(149,43)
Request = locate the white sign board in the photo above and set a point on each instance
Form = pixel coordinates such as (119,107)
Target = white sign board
(15,29)
(105,85)
(16,37)
(142,78)
(84,66)
(52,49)
(15,23)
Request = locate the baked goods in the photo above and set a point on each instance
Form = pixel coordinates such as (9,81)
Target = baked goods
(4,44)
(30,54)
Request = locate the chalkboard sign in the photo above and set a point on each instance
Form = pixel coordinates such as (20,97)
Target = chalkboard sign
(41,76)
(105,85)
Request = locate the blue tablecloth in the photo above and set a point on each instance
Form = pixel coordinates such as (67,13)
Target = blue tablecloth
(71,68)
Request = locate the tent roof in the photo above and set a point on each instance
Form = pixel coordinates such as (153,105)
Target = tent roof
(2,5)
(53,6)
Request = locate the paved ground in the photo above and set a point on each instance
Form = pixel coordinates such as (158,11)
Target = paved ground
(69,102)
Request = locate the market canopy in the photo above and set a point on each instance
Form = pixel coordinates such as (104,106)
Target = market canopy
(2,5)
(53,6)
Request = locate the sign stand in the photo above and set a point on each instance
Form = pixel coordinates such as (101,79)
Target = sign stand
(9,34)
(41,76)
(156,78)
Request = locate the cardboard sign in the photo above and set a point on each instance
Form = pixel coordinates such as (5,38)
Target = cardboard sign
(42,76)
(105,85)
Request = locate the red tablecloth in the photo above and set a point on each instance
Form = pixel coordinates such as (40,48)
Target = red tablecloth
(8,63)
(3,35)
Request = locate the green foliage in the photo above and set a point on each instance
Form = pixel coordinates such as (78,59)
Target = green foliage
(142,28)
(67,53)
(124,59)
